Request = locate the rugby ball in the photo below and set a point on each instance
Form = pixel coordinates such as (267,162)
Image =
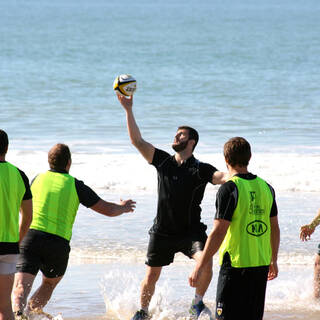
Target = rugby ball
(125,84)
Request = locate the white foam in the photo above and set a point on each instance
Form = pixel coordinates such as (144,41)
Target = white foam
(130,173)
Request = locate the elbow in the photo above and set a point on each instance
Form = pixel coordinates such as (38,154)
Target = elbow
(137,143)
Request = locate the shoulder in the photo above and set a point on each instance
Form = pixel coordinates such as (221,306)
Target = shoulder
(160,157)
(206,170)
(227,188)
(86,195)
(206,166)
(27,194)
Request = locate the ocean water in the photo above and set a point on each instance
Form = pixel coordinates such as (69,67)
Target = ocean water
(227,68)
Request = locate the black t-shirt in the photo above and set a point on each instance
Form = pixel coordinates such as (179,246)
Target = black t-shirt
(227,199)
(180,192)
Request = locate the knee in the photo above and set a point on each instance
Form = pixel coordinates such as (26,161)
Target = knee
(49,284)
(20,288)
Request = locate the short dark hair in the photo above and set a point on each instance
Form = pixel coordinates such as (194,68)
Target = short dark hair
(193,134)
(4,142)
(58,156)
(237,151)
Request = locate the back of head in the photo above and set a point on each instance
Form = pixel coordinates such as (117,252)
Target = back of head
(4,142)
(237,152)
(193,134)
(59,156)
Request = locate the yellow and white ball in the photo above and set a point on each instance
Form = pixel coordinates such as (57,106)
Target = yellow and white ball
(125,84)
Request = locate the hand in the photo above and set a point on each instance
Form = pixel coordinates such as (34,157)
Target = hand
(306,231)
(194,277)
(126,102)
(128,205)
(273,271)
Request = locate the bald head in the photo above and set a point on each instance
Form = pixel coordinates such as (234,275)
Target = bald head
(59,156)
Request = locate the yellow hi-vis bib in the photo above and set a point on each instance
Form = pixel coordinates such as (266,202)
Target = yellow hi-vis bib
(248,238)
(12,190)
(55,203)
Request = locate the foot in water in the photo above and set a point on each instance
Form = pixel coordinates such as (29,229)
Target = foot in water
(140,315)
(199,311)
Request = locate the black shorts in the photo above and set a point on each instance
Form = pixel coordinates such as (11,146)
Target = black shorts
(43,251)
(241,292)
(161,249)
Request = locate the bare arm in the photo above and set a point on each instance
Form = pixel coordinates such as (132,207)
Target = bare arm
(26,218)
(219,230)
(144,147)
(275,242)
(111,209)
(307,230)
(220,177)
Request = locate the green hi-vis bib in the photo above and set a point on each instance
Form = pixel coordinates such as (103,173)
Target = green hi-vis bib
(248,237)
(55,203)
(12,190)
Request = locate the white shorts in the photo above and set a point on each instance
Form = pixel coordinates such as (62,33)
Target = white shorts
(8,263)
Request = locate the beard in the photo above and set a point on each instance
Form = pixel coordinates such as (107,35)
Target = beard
(180,147)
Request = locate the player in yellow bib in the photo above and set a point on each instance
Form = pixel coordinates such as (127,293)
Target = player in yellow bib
(15,196)
(246,230)
(56,198)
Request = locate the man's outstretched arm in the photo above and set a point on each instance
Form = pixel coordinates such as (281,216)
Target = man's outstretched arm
(144,147)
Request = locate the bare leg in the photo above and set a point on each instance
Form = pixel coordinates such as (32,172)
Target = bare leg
(148,285)
(22,286)
(206,276)
(6,283)
(43,294)
(317,277)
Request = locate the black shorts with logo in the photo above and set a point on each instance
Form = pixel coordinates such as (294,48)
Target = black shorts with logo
(162,248)
(43,251)
(240,292)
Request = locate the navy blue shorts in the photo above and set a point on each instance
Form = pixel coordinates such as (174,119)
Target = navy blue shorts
(43,251)
(161,249)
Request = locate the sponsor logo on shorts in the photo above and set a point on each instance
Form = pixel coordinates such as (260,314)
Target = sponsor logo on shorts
(219,308)
(257,228)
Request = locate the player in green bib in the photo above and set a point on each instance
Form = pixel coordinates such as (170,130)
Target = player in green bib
(15,196)
(56,198)
(247,232)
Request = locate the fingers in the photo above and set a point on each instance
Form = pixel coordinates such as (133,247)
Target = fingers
(192,282)
(193,278)
(273,271)
(130,205)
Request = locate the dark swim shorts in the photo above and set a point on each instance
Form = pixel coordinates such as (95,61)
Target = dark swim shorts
(43,251)
(161,248)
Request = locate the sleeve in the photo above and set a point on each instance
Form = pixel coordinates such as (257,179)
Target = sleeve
(27,194)
(159,157)
(86,195)
(206,171)
(274,208)
(226,201)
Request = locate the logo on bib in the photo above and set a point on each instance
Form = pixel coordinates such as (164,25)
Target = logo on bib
(257,228)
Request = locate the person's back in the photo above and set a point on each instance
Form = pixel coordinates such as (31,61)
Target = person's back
(55,203)
(12,190)
(248,238)
(15,195)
